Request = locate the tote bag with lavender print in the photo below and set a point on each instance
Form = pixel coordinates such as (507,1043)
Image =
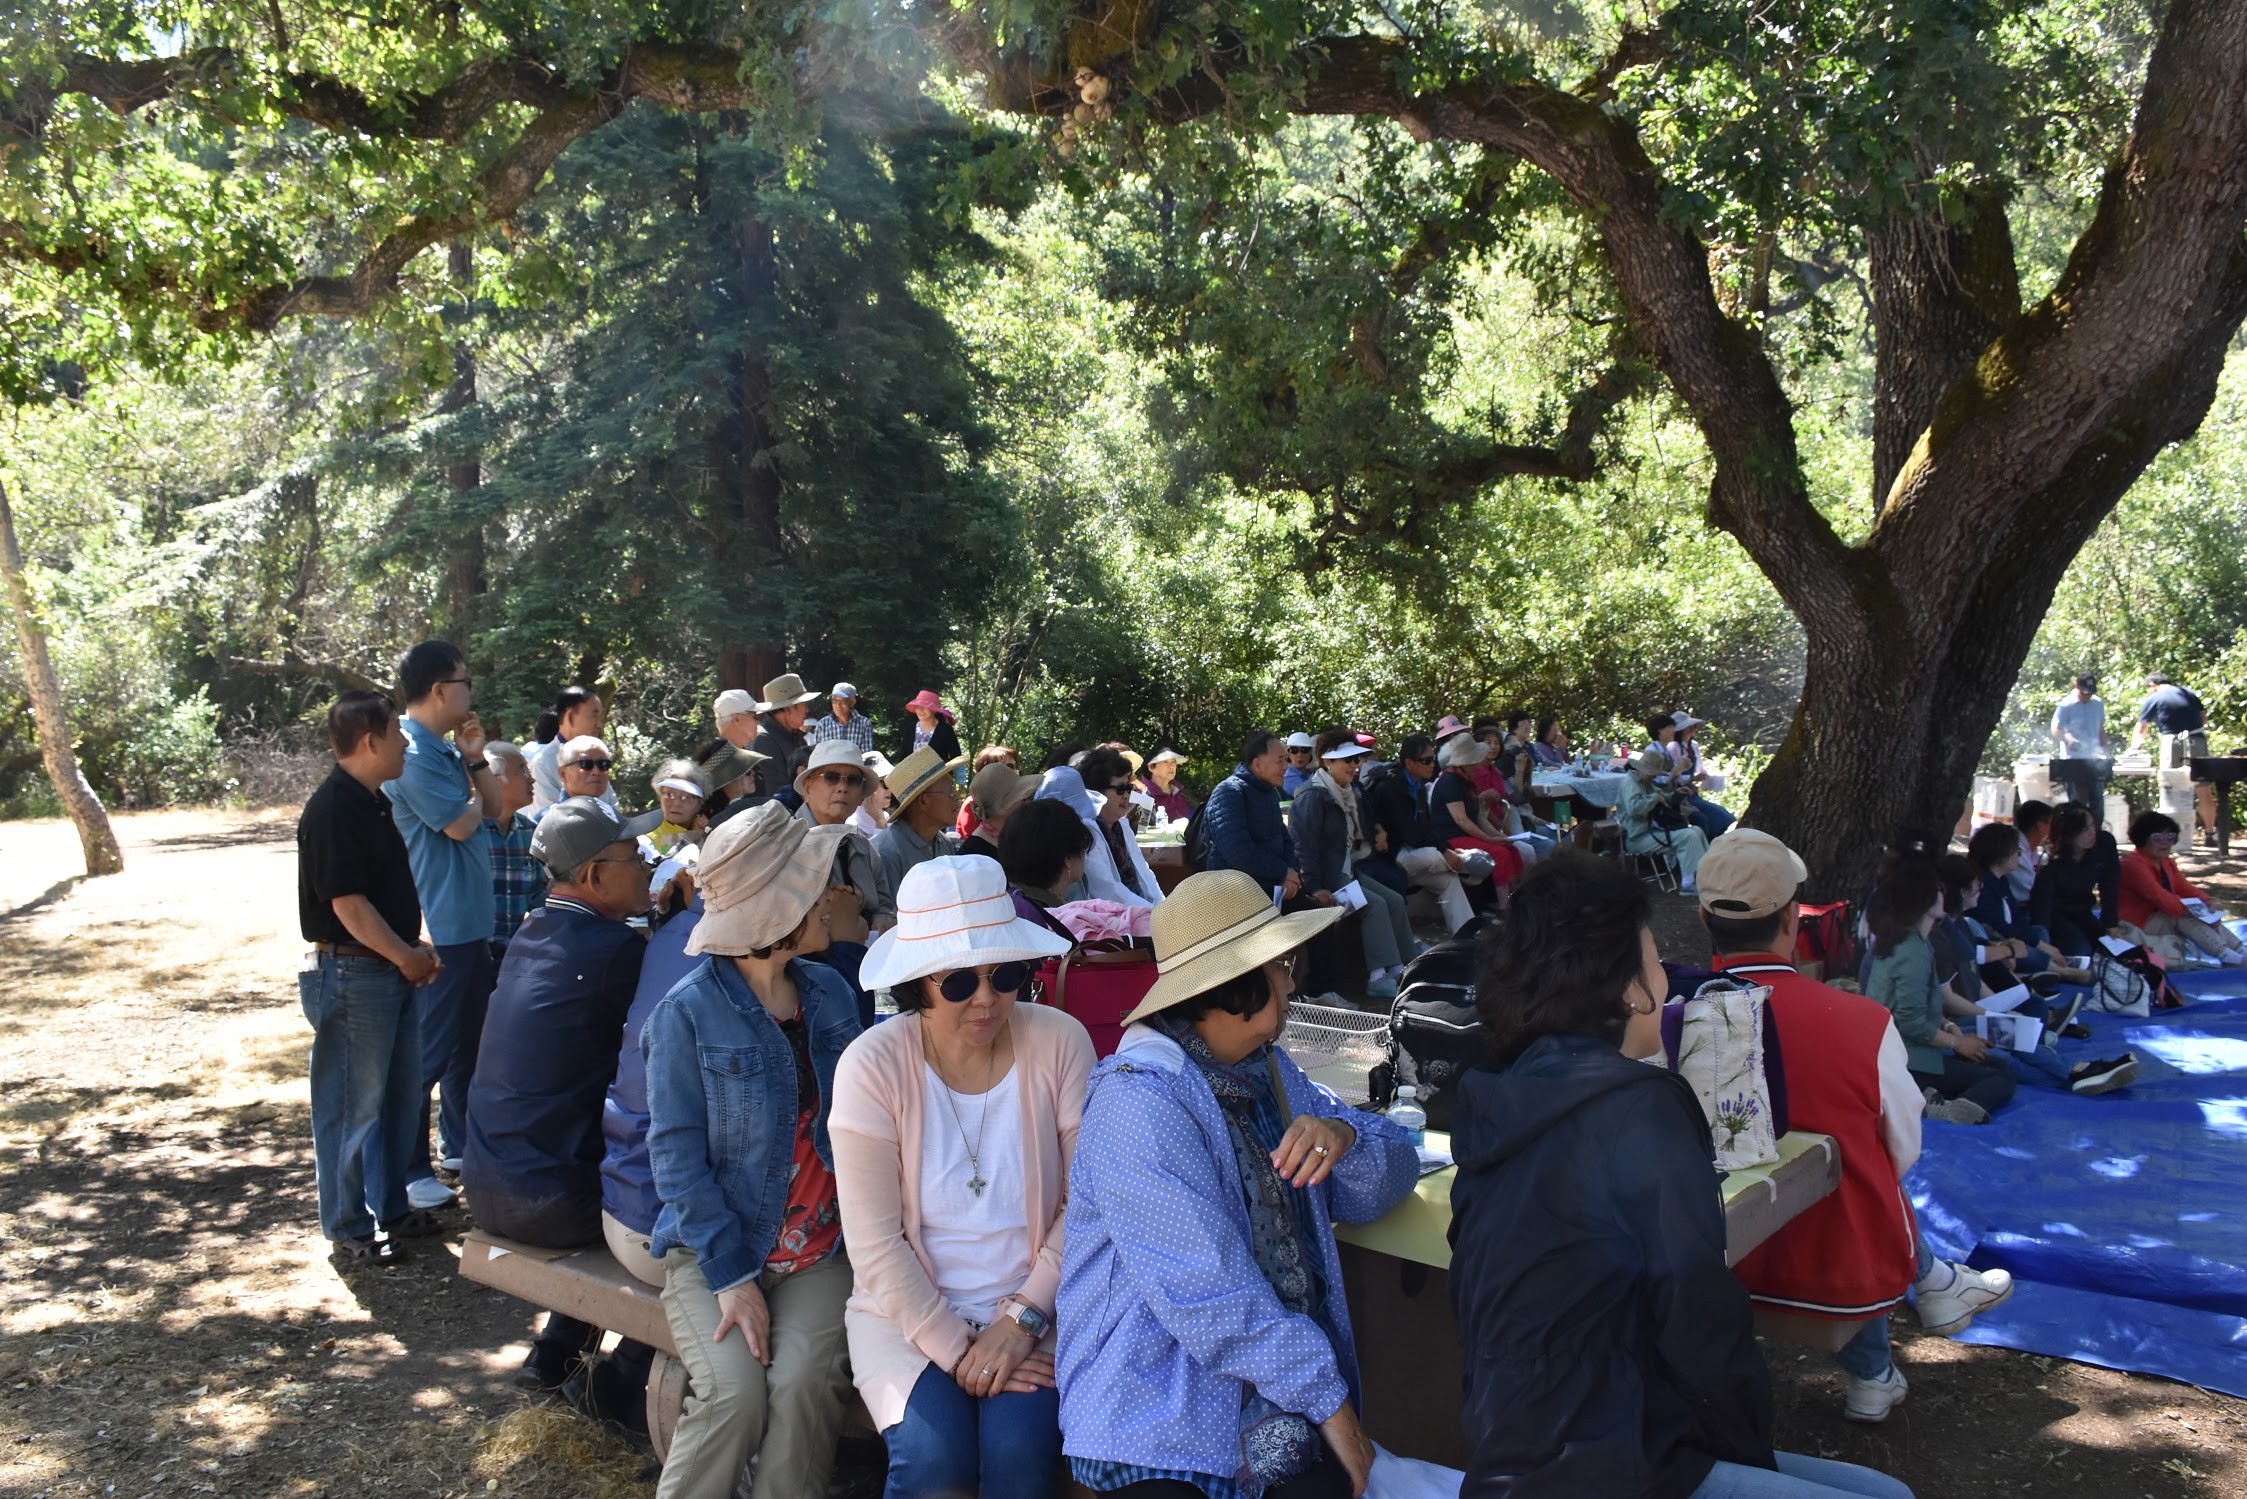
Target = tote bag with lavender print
(1724,1043)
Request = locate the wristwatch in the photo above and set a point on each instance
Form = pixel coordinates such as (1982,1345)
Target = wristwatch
(1026,1316)
(478,765)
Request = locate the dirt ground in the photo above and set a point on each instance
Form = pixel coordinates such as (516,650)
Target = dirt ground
(170,1323)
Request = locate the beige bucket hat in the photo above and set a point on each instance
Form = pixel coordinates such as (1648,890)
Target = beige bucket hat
(998,788)
(1218,925)
(916,773)
(831,754)
(760,872)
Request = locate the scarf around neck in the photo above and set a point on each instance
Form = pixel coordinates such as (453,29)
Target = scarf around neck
(1346,797)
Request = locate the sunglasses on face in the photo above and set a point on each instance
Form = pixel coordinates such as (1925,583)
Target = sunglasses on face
(599,765)
(1122,790)
(960,984)
(840,778)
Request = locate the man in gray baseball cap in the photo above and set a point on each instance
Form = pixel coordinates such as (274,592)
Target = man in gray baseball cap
(533,1162)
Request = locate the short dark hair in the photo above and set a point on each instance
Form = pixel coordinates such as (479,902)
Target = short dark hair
(1244,994)
(568,701)
(1516,719)
(423,667)
(1958,872)
(1416,747)
(1565,955)
(1061,754)
(1102,768)
(1330,740)
(2146,825)
(357,716)
(1656,724)
(2157,678)
(1256,744)
(1993,843)
(1899,901)
(1039,840)
(2031,815)
(1731,934)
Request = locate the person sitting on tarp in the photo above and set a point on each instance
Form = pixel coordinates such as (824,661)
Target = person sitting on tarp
(1852,1254)
(1997,850)
(2154,892)
(1607,1347)
(2078,894)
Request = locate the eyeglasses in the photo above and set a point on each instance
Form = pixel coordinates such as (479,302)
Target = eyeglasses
(840,778)
(1424,760)
(599,765)
(2162,838)
(468,682)
(960,984)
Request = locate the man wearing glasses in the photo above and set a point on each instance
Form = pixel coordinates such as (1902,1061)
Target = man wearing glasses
(585,766)
(1396,798)
(441,800)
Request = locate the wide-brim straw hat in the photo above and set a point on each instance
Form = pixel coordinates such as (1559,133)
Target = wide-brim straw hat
(1462,750)
(831,754)
(954,912)
(917,772)
(787,692)
(998,788)
(1219,925)
(760,873)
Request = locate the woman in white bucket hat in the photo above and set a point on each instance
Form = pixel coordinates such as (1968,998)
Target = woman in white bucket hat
(1203,1330)
(953,1126)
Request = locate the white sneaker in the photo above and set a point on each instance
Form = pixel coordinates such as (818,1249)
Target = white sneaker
(1871,1400)
(1957,1111)
(1952,1295)
(428,1192)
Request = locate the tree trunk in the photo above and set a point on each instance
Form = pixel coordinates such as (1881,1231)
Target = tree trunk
(745,446)
(464,574)
(94,835)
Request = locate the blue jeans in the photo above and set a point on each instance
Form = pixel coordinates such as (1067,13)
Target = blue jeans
(1867,1355)
(1709,817)
(952,1443)
(1798,1478)
(452,1007)
(366,1075)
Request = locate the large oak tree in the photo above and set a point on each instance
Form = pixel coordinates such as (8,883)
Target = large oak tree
(193,174)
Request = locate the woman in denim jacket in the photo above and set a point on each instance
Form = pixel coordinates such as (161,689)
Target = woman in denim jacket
(1205,1341)
(741,1061)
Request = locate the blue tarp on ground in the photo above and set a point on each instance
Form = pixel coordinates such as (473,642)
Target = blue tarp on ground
(2122,1217)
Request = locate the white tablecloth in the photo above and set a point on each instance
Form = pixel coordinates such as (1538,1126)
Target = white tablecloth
(1599,788)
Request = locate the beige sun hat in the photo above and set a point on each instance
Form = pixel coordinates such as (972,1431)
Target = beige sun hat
(1651,762)
(916,773)
(1218,925)
(998,788)
(831,754)
(787,691)
(1462,750)
(760,873)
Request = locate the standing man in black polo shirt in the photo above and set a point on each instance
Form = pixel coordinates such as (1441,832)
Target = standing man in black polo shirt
(2180,722)
(357,907)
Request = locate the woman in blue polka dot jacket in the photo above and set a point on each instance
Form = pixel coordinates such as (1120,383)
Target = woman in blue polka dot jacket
(1204,1341)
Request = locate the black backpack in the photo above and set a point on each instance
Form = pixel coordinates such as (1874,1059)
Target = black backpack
(1433,1024)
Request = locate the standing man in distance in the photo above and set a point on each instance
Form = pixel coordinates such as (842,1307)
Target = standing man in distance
(786,705)
(2176,714)
(2079,732)
(443,796)
(357,906)
(737,718)
(844,722)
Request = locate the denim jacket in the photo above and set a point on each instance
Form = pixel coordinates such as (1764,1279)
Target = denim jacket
(1163,1316)
(722,1109)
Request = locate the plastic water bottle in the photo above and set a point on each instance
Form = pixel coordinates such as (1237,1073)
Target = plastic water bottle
(1407,1115)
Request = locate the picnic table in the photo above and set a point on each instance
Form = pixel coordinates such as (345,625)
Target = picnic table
(1396,1273)
(1594,788)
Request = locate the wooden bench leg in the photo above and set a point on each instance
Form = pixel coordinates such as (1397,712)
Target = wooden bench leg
(667,1393)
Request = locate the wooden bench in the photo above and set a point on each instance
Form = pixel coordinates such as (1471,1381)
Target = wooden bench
(590,1285)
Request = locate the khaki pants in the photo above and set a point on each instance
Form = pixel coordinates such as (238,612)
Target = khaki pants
(788,1415)
(2213,940)
(1428,870)
(631,1250)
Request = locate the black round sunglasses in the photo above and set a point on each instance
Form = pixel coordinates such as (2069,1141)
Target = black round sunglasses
(960,984)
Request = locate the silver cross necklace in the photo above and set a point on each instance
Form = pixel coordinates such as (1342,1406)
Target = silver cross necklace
(975,1181)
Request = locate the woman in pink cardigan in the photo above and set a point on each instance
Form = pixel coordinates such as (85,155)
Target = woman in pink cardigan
(953,1125)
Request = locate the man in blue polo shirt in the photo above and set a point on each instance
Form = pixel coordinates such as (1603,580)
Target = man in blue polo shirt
(441,801)
(549,1050)
(2176,716)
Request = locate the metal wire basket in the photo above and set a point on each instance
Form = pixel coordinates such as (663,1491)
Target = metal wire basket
(1337,1046)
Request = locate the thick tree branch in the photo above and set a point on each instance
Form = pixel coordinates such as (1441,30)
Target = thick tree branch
(293,665)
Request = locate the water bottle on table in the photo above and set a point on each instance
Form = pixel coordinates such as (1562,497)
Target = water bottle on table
(1407,1115)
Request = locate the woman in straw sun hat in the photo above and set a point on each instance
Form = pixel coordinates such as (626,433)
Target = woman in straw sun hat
(954,1124)
(1204,1338)
(741,1059)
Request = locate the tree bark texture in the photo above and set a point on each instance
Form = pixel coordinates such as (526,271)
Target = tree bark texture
(465,581)
(745,446)
(94,834)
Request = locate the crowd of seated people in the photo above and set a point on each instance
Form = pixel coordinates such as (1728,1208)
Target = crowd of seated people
(1034,1267)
